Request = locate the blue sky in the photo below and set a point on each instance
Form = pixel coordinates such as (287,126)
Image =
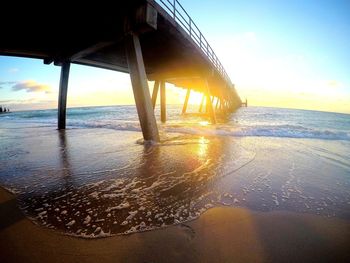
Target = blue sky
(278,53)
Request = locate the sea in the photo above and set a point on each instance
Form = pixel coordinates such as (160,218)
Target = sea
(98,178)
(250,121)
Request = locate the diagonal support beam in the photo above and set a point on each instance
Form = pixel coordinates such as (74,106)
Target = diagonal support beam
(90,50)
(155,93)
(62,95)
(202,103)
(217,102)
(140,87)
(162,101)
(186,101)
(210,107)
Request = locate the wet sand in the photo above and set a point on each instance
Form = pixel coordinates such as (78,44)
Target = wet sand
(219,235)
(206,198)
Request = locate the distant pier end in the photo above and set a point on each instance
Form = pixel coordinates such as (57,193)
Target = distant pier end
(150,40)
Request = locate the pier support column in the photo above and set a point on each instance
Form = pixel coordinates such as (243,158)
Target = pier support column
(162,101)
(210,108)
(225,106)
(155,93)
(202,103)
(140,88)
(186,101)
(62,95)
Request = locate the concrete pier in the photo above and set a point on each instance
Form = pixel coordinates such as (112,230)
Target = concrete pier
(140,88)
(162,102)
(186,101)
(209,104)
(155,93)
(146,38)
(62,95)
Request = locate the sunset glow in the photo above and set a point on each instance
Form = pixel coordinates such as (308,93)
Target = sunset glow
(292,55)
(175,131)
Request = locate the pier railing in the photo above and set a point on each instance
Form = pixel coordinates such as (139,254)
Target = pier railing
(182,18)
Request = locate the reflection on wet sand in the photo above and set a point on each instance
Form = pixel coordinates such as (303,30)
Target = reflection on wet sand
(161,185)
(95,183)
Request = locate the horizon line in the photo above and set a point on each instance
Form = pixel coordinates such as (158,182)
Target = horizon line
(114,105)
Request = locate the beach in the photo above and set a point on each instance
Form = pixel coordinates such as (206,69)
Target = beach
(220,235)
(269,192)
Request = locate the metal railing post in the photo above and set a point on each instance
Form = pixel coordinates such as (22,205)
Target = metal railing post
(203,44)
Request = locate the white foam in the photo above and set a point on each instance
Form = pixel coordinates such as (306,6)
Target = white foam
(71,223)
(87,220)
(118,207)
(42,214)
(131,215)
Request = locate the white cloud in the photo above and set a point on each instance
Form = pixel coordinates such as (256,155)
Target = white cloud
(28,104)
(250,36)
(334,84)
(32,86)
(12,70)
(4,83)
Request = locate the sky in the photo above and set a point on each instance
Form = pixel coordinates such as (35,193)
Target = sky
(292,54)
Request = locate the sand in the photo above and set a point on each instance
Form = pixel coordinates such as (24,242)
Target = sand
(221,234)
(287,200)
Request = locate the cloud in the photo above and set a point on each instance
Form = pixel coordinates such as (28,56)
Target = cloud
(250,36)
(31,86)
(5,101)
(6,83)
(12,70)
(29,104)
(334,84)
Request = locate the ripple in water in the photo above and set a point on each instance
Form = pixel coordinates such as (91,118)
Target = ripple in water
(112,186)
(162,185)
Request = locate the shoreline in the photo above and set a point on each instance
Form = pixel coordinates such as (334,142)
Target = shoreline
(221,234)
(12,195)
(269,184)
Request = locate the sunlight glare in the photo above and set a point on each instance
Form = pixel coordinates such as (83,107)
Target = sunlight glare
(203,123)
(195,97)
(203,146)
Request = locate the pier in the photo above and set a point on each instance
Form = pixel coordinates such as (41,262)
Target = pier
(151,40)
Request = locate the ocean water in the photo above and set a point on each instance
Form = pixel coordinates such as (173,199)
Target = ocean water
(250,121)
(97,178)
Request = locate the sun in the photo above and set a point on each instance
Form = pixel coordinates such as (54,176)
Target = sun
(195,97)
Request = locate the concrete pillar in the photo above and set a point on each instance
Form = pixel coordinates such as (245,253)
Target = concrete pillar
(140,87)
(155,93)
(210,108)
(202,103)
(162,101)
(62,95)
(186,101)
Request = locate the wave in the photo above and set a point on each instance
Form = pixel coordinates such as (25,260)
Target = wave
(292,131)
(257,122)
(283,131)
